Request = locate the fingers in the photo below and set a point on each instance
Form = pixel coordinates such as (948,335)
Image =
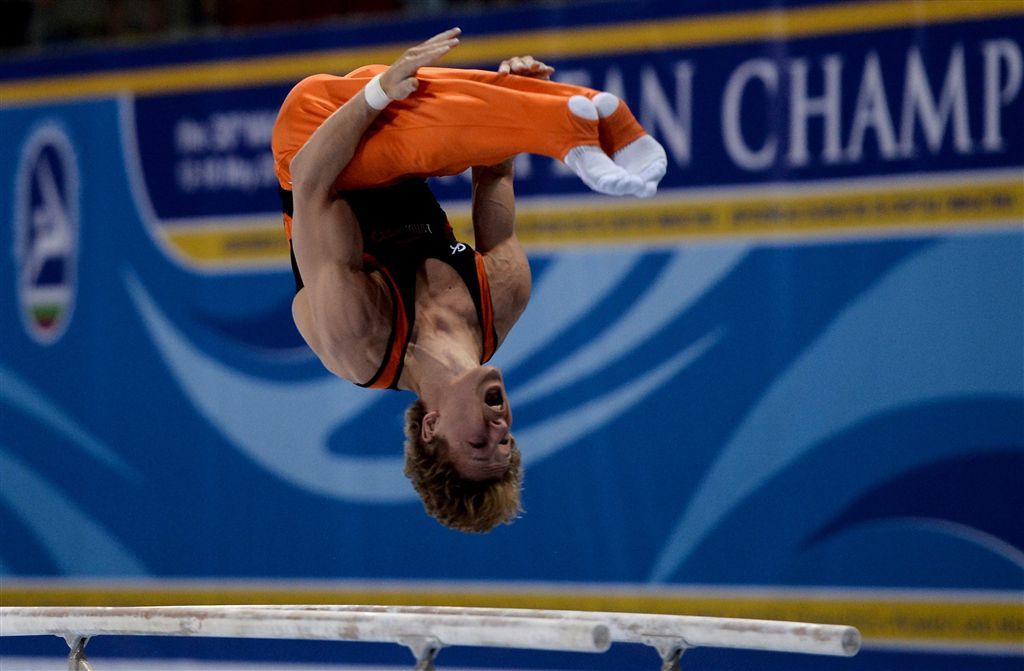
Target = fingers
(447,38)
(399,80)
(442,42)
(526,66)
(442,37)
(431,50)
(423,55)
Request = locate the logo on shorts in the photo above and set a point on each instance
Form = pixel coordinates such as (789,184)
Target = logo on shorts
(458,247)
(46,233)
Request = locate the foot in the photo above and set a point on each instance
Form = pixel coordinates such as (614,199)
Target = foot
(643,157)
(593,166)
(601,174)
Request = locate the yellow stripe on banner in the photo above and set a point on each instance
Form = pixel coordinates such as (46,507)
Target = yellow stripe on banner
(770,216)
(699,31)
(262,243)
(736,216)
(967,622)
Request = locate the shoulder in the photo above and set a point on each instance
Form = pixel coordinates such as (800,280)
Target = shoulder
(508,275)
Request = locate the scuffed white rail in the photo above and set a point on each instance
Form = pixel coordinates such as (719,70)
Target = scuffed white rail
(718,632)
(426,629)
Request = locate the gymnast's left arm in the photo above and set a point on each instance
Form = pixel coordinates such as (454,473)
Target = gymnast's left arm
(494,205)
(494,236)
(494,214)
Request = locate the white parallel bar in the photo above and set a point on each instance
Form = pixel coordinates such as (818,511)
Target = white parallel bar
(780,636)
(305,623)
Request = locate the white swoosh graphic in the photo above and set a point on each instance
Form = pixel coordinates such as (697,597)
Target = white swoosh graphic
(960,301)
(76,543)
(963,532)
(687,277)
(283,426)
(544,439)
(567,290)
(30,400)
(137,180)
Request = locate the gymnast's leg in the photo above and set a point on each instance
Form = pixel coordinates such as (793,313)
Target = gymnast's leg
(449,125)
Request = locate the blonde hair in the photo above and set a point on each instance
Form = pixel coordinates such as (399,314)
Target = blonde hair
(454,501)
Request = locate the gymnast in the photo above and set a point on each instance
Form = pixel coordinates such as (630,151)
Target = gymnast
(386,296)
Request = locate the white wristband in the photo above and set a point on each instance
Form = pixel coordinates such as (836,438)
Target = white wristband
(374,94)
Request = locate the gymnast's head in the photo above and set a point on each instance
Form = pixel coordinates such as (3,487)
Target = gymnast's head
(461,456)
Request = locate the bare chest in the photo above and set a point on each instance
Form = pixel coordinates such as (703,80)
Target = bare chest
(442,297)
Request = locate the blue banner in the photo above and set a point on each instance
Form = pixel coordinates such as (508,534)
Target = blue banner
(798,369)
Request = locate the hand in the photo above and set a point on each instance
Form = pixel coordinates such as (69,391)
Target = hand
(399,81)
(527,66)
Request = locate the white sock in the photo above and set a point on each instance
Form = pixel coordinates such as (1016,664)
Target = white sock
(601,174)
(643,157)
(593,166)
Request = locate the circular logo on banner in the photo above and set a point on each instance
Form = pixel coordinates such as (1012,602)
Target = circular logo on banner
(46,232)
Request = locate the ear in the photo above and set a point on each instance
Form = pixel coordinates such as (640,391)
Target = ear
(428,428)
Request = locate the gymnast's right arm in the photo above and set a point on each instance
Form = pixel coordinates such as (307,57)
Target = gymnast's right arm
(341,306)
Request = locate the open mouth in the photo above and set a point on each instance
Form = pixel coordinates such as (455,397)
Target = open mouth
(494,398)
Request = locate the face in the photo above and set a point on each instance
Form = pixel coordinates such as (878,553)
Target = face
(475,418)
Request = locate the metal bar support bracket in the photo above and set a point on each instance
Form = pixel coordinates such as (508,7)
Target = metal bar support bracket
(670,649)
(76,655)
(424,649)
